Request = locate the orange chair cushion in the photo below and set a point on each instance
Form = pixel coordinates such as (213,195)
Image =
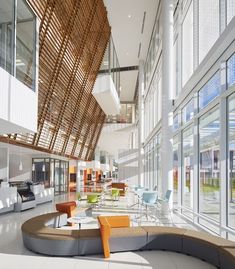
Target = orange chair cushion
(68,207)
(108,222)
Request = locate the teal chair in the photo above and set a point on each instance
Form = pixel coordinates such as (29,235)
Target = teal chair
(164,205)
(139,192)
(149,201)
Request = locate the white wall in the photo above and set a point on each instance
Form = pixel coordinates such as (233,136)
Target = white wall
(18,106)
(128,165)
(14,173)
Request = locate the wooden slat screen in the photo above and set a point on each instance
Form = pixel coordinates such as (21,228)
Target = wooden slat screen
(73,36)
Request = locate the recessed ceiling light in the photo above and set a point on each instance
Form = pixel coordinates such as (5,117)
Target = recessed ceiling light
(129,16)
(127,53)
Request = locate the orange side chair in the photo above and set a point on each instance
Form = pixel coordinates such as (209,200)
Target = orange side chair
(108,222)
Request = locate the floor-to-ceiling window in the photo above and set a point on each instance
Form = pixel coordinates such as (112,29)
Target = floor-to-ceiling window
(231,142)
(209,163)
(231,163)
(52,173)
(187,45)
(18,40)
(187,167)
(6,43)
(209,25)
(175,169)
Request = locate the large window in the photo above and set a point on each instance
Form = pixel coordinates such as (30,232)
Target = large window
(175,169)
(230,10)
(188,111)
(187,167)
(17,44)
(25,44)
(231,163)
(231,71)
(208,25)
(187,46)
(209,191)
(209,91)
(6,12)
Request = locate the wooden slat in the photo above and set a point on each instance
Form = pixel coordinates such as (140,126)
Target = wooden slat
(73,36)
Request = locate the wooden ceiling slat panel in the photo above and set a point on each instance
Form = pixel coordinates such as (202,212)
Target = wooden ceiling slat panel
(73,36)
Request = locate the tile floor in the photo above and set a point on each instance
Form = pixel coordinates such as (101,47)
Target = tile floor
(13,254)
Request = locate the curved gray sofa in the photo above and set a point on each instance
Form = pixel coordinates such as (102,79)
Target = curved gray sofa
(40,235)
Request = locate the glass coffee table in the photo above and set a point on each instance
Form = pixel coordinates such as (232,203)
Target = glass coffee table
(80,220)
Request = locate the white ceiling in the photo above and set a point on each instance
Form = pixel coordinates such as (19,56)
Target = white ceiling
(126,18)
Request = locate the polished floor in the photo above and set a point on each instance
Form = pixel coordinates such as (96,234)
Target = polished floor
(13,254)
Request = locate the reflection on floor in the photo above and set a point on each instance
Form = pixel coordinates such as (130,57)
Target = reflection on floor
(14,255)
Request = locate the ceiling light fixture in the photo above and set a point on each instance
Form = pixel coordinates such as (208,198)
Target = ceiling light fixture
(129,16)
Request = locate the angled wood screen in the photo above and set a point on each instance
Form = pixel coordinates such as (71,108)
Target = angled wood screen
(73,36)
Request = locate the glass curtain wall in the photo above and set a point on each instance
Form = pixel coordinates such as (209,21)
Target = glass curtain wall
(152,103)
(152,165)
(51,173)
(231,163)
(25,44)
(6,35)
(175,169)
(209,23)
(18,41)
(209,190)
(231,142)
(187,45)
(198,113)
(187,167)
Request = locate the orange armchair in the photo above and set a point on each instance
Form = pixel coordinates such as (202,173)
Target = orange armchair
(68,207)
(108,222)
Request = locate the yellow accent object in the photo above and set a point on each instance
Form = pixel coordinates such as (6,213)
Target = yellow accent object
(72,169)
(108,222)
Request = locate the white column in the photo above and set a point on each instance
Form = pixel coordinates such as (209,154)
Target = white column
(223,153)
(167,96)
(141,124)
(4,163)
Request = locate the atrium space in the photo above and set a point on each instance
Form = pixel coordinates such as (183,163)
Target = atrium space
(117,134)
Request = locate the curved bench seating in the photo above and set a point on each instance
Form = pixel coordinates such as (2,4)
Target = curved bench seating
(40,235)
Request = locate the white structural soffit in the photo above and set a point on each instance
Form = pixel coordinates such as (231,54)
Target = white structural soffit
(18,106)
(106,95)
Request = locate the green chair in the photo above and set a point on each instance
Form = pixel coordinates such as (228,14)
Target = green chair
(79,196)
(115,193)
(92,199)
